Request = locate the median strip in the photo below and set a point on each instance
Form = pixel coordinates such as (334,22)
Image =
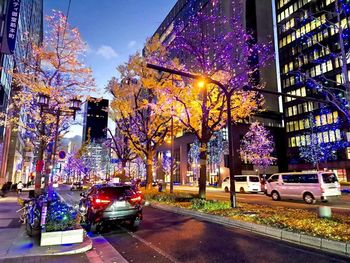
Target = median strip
(337,247)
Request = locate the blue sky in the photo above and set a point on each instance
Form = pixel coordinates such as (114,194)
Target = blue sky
(113,30)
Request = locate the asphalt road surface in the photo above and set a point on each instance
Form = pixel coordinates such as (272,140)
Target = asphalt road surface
(169,237)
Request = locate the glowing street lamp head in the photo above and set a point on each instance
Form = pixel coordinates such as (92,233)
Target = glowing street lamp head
(201,83)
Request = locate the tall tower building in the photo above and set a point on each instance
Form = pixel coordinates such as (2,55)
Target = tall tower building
(308,45)
(96,120)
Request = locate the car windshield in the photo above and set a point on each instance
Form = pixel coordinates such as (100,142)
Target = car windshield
(114,192)
(254,179)
(329,178)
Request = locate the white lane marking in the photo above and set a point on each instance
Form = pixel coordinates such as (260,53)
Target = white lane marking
(160,251)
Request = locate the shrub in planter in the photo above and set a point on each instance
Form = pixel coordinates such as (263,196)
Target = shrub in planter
(208,205)
(61,217)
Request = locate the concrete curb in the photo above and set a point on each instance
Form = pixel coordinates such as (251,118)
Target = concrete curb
(25,246)
(336,247)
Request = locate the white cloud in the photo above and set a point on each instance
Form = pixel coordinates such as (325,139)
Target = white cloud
(132,44)
(107,52)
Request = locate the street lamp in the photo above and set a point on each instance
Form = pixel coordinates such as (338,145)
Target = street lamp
(202,81)
(43,101)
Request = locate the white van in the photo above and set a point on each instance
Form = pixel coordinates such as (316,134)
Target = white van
(309,186)
(243,183)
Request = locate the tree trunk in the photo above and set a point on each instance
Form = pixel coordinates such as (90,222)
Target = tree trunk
(149,168)
(123,175)
(39,175)
(203,170)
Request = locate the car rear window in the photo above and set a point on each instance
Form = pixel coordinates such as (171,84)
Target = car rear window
(329,178)
(115,191)
(254,179)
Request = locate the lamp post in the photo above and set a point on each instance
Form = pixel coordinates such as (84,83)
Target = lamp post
(228,94)
(43,101)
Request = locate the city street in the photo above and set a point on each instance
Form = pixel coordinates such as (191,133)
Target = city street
(341,206)
(169,237)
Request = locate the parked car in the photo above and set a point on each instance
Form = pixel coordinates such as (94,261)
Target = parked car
(307,186)
(243,183)
(76,186)
(144,182)
(111,203)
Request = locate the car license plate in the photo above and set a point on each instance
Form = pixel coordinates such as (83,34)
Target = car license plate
(119,204)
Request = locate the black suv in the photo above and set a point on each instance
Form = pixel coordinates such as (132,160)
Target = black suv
(110,203)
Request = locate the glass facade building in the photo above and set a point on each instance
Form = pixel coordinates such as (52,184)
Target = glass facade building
(310,64)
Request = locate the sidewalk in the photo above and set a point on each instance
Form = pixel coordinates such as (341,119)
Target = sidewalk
(15,243)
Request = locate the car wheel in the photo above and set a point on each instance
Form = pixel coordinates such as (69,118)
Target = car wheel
(226,189)
(92,227)
(275,196)
(241,190)
(309,198)
(135,223)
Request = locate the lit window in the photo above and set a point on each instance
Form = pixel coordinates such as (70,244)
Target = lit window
(331,136)
(292,140)
(307,123)
(301,124)
(325,137)
(319,137)
(337,135)
(318,120)
(329,118)
(296,125)
(335,116)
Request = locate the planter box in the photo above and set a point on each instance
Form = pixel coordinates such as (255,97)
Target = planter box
(61,237)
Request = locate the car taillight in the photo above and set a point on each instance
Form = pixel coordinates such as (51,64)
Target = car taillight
(101,202)
(135,199)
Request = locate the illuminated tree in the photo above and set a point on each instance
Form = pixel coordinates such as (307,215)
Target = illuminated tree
(55,69)
(313,149)
(121,146)
(214,46)
(142,111)
(257,146)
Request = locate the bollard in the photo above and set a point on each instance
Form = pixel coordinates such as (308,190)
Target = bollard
(324,212)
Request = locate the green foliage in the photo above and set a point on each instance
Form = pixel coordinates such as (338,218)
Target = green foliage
(61,216)
(208,205)
(167,197)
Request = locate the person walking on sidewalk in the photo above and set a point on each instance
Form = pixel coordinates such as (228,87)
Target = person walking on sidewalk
(19,187)
(4,189)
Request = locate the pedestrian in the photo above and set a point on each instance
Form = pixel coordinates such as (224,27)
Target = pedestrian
(19,187)
(4,190)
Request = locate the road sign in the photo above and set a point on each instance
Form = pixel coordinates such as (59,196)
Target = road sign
(62,154)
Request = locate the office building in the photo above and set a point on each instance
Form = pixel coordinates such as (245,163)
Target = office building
(307,43)
(95,120)
(16,160)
